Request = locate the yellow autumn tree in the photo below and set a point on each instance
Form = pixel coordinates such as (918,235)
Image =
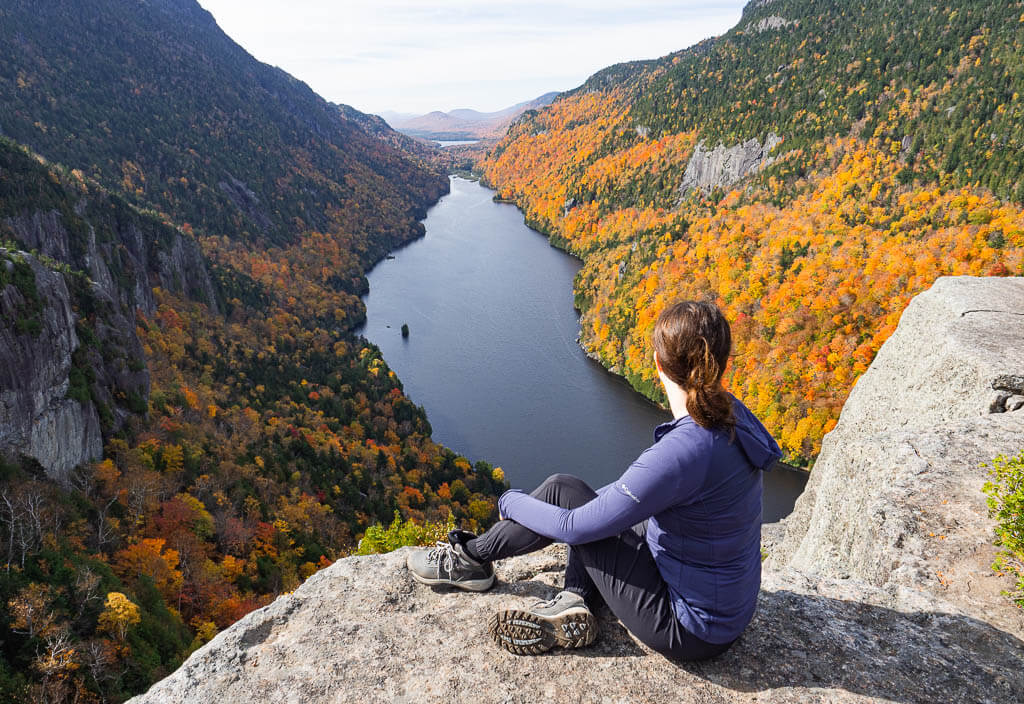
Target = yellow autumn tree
(119,614)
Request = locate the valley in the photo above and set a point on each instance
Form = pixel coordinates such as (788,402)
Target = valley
(207,271)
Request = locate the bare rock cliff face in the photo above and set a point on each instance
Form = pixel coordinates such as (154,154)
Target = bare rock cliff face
(724,166)
(766,24)
(860,602)
(123,255)
(36,417)
(140,259)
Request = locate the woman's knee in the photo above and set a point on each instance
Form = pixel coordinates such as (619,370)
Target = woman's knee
(566,480)
(564,490)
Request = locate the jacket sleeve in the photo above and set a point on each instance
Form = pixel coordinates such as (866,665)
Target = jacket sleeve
(664,475)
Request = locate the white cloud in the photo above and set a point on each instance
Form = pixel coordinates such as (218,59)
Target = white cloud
(413,56)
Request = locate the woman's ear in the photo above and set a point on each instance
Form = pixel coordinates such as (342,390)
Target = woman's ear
(657,363)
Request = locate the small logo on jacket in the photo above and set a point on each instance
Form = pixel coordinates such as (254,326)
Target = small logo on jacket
(629,493)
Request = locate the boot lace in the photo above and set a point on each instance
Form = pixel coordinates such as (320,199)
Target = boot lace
(443,553)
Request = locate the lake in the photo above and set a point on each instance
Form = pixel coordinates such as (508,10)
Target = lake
(492,351)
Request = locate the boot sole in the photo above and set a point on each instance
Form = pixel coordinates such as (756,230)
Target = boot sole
(526,633)
(471,585)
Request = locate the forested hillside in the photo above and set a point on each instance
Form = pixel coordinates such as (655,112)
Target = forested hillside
(810,170)
(153,99)
(181,268)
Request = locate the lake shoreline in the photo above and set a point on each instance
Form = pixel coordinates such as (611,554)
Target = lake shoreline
(493,354)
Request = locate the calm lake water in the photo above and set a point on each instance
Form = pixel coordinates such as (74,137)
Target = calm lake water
(492,353)
(455,142)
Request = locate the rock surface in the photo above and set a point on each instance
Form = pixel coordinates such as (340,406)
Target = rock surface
(363,630)
(958,346)
(895,496)
(724,166)
(142,259)
(36,417)
(877,589)
(771,22)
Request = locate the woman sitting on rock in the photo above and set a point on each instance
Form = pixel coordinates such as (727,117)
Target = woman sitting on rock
(672,546)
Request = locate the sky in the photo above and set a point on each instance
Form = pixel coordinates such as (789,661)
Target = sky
(416,56)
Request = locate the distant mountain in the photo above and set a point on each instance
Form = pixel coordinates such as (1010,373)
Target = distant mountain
(420,150)
(378,127)
(463,123)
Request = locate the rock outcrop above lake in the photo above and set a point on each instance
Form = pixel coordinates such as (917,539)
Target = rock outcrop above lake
(877,589)
(724,166)
(895,497)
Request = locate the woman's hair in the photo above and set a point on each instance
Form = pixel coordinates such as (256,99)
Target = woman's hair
(693,342)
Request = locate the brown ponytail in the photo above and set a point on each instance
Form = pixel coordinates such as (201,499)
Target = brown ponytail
(693,341)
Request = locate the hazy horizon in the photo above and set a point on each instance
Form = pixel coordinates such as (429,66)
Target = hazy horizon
(408,57)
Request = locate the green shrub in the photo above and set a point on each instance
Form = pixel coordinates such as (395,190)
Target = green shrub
(28,315)
(400,533)
(78,385)
(980,217)
(1006,504)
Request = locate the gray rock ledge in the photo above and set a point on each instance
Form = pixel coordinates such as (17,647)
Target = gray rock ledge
(363,630)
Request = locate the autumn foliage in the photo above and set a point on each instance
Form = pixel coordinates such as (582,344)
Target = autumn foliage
(813,258)
(251,436)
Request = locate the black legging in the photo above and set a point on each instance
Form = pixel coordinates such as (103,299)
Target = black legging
(620,569)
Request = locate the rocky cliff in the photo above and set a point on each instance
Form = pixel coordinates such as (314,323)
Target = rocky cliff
(37,418)
(724,166)
(877,589)
(895,497)
(71,365)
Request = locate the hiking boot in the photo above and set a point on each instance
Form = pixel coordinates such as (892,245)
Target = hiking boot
(564,621)
(448,564)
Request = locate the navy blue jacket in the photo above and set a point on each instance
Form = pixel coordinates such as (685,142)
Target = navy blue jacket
(701,490)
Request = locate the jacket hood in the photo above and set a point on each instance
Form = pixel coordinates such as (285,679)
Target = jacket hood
(755,440)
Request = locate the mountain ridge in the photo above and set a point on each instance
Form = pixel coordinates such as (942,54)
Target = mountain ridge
(463,123)
(158,140)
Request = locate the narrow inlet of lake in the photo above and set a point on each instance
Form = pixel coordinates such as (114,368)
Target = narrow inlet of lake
(492,354)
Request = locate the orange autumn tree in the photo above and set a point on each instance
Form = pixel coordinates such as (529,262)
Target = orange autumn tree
(151,559)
